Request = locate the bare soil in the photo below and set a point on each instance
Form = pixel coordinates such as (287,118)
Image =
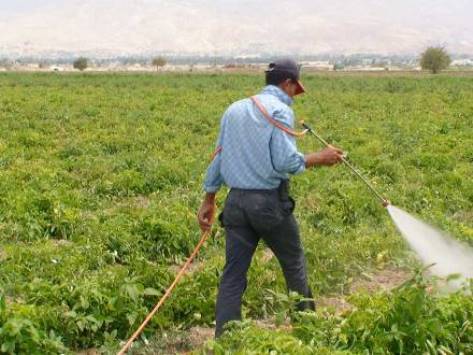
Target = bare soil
(385,280)
(3,255)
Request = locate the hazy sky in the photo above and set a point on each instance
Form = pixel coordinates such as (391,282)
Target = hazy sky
(237,26)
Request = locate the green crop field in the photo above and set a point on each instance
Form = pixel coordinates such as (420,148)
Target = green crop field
(100,182)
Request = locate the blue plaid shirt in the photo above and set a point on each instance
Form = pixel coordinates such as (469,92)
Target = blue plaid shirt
(254,153)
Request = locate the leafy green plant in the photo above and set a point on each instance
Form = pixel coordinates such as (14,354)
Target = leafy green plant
(20,334)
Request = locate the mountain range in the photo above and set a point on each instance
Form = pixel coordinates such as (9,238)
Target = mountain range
(231,27)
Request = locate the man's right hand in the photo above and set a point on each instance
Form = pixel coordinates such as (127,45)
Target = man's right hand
(327,156)
(206,212)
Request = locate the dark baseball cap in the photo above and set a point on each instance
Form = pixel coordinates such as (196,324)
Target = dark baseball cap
(290,67)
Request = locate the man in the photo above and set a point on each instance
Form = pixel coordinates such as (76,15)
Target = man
(256,153)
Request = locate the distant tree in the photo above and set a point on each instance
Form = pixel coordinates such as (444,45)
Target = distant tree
(5,63)
(159,62)
(435,59)
(80,63)
(43,65)
(338,66)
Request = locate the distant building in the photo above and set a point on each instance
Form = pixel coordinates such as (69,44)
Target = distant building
(318,65)
(462,62)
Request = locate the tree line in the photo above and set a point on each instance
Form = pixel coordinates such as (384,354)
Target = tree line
(82,63)
(433,59)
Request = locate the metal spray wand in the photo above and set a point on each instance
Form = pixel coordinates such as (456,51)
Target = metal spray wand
(384,201)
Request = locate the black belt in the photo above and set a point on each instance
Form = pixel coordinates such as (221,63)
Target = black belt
(282,190)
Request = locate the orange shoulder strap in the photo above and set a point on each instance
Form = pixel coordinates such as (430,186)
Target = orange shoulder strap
(271,120)
(275,122)
(216,151)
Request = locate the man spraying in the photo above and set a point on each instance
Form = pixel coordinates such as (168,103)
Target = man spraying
(256,153)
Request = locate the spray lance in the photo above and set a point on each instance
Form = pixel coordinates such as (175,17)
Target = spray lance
(383,200)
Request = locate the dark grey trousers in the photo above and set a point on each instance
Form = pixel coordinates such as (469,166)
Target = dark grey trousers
(249,215)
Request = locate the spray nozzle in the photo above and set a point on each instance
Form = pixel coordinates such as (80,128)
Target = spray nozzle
(386,202)
(303,124)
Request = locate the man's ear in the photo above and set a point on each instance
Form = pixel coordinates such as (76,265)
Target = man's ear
(285,83)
